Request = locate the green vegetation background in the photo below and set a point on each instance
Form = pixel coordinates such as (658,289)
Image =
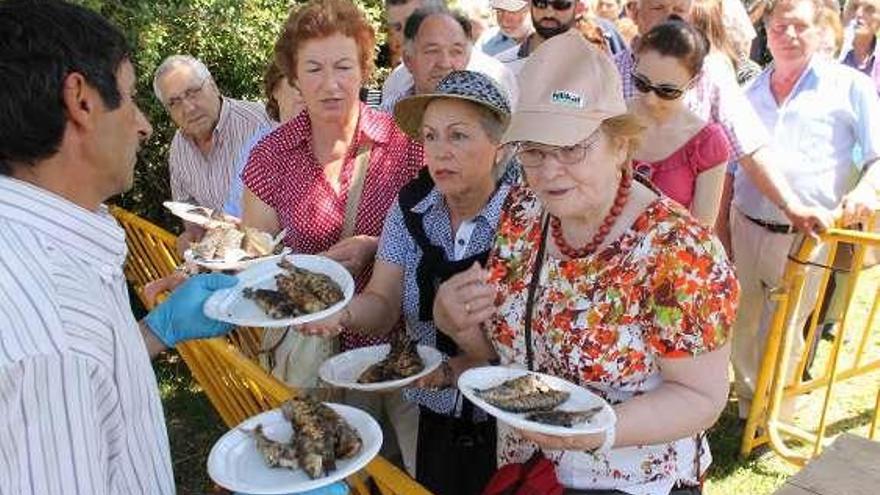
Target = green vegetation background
(233,37)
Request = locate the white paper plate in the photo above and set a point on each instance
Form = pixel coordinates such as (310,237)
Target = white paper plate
(579,400)
(184,211)
(231,306)
(224,264)
(235,464)
(343,370)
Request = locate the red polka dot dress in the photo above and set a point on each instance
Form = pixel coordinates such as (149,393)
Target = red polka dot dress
(283,172)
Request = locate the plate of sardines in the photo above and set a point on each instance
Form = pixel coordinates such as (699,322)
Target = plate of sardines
(233,247)
(381,367)
(536,402)
(301,446)
(292,290)
(199,215)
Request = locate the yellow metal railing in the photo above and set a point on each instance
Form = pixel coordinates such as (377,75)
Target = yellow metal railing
(226,367)
(776,384)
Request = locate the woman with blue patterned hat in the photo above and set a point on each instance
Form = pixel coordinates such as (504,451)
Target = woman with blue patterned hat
(434,241)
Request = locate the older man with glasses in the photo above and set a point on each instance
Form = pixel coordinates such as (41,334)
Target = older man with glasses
(212,131)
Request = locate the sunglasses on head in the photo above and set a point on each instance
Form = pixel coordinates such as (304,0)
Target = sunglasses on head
(663,91)
(556,4)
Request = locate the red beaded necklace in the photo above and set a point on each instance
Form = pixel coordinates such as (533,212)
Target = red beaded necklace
(619,202)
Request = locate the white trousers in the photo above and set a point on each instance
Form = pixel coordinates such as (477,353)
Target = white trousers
(760,257)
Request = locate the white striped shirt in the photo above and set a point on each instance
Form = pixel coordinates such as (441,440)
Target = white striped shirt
(79,406)
(205,180)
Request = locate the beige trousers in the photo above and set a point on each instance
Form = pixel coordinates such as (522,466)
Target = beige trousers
(399,419)
(760,257)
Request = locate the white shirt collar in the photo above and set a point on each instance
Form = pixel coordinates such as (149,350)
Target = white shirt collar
(94,236)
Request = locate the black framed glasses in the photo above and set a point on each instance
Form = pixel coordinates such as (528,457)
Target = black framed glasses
(532,155)
(663,91)
(555,4)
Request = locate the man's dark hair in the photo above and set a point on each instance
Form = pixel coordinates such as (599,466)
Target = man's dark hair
(397,2)
(41,43)
(415,20)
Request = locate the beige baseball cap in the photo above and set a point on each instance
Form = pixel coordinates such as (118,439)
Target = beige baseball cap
(509,5)
(566,89)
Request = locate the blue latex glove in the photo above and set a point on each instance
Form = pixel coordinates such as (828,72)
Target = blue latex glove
(338,488)
(181,317)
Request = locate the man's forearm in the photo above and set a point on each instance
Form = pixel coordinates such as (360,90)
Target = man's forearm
(154,345)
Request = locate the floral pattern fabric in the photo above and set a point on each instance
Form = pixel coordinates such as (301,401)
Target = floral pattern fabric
(664,289)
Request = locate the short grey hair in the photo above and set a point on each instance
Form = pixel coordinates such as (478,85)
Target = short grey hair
(173,61)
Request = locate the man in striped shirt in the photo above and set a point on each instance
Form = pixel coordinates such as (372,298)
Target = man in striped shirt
(212,131)
(79,406)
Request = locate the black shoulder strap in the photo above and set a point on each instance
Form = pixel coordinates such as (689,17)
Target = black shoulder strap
(530,298)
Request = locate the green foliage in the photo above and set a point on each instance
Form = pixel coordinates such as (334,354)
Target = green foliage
(233,37)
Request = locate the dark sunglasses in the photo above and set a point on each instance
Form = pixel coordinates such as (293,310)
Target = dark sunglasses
(556,4)
(663,91)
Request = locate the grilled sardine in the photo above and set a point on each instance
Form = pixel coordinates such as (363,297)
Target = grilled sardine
(526,393)
(272,302)
(276,454)
(403,360)
(563,418)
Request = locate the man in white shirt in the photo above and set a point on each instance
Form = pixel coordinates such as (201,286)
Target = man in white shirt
(816,111)
(79,407)
(514,24)
(437,41)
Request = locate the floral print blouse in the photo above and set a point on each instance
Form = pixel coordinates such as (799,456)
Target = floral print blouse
(664,289)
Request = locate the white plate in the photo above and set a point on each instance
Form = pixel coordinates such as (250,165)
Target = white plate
(231,306)
(343,370)
(579,400)
(183,211)
(228,264)
(235,464)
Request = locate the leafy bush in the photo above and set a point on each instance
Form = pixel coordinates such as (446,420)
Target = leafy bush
(233,37)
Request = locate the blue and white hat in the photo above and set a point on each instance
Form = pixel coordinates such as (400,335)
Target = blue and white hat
(462,85)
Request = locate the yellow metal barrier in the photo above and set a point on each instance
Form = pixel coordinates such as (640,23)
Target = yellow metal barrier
(225,368)
(776,383)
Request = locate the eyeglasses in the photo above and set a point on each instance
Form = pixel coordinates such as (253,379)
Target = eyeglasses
(663,91)
(175,101)
(532,156)
(556,4)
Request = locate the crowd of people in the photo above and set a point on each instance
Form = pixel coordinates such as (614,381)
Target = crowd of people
(603,192)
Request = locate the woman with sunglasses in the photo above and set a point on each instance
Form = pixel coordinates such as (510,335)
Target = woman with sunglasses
(597,279)
(681,154)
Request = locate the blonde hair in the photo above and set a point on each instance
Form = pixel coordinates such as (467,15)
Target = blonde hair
(627,127)
(829,25)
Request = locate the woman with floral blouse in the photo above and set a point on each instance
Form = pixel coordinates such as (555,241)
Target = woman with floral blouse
(598,279)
